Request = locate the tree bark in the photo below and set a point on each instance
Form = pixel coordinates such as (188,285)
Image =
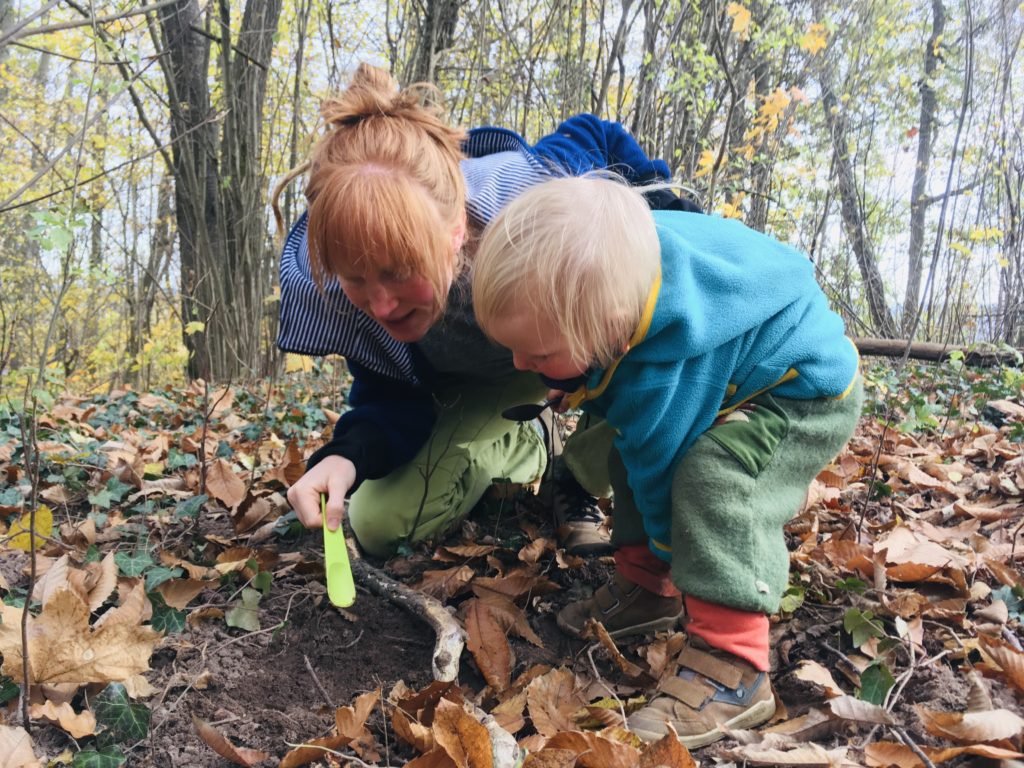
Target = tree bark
(219,185)
(852,213)
(435,33)
(918,194)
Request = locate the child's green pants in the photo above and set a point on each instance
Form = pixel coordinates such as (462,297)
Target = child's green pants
(733,492)
(471,445)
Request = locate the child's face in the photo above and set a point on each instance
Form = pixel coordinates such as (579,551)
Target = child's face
(536,345)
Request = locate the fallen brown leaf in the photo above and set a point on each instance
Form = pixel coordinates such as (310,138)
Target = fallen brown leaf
(220,744)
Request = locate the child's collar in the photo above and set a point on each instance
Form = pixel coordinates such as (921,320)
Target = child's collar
(583,394)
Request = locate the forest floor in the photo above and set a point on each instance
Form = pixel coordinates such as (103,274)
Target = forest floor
(899,642)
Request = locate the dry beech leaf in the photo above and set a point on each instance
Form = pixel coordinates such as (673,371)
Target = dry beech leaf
(461,736)
(511,617)
(816,725)
(803,755)
(551,758)
(462,552)
(813,672)
(993,725)
(351,721)
(106,582)
(54,580)
(594,751)
(224,485)
(1010,660)
(63,648)
(437,758)
(134,609)
(515,586)
(533,551)
(307,753)
(667,751)
(510,714)
(251,512)
(16,748)
(219,743)
(416,735)
(596,630)
(78,724)
(178,593)
(885,754)
(553,700)
(859,711)
(487,641)
(446,583)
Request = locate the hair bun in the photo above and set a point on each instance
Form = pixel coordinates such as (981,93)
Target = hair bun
(373,92)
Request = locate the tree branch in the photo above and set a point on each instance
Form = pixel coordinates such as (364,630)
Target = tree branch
(20,33)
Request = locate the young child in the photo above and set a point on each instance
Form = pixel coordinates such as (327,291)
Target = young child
(730,384)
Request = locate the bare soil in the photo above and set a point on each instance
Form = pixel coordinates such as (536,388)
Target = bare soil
(279,686)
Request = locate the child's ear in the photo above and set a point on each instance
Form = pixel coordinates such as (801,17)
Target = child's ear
(459,234)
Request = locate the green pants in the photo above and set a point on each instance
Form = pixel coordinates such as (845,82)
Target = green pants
(733,492)
(471,445)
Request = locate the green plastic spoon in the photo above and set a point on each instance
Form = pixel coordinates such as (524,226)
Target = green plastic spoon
(341,590)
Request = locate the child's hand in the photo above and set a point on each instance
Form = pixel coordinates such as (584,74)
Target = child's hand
(561,406)
(332,476)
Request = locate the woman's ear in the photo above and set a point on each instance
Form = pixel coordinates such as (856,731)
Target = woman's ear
(459,234)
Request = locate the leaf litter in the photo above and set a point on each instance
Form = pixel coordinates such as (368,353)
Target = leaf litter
(178,615)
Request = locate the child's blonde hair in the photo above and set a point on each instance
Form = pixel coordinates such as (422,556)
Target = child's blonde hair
(581,252)
(384,184)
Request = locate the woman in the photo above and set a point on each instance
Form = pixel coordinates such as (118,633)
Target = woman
(375,271)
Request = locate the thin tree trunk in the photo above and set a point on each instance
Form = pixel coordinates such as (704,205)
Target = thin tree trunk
(853,216)
(918,197)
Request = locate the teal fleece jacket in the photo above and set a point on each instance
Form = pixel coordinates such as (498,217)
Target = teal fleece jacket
(737,313)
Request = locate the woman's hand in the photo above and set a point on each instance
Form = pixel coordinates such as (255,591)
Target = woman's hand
(334,475)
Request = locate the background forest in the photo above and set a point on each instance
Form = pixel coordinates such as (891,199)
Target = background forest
(139,144)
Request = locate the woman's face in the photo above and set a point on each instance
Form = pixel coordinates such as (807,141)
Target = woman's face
(402,303)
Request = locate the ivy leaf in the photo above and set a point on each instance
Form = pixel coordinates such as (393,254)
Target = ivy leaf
(132,564)
(157,576)
(102,499)
(792,598)
(875,682)
(108,757)
(124,720)
(190,507)
(8,689)
(862,626)
(165,619)
(245,615)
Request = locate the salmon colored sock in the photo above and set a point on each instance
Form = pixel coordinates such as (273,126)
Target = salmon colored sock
(641,566)
(741,633)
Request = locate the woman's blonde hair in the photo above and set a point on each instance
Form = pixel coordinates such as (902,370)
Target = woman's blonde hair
(581,252)
(384,183)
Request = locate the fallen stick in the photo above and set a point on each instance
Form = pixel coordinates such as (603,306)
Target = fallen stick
(451,638)
(974,354)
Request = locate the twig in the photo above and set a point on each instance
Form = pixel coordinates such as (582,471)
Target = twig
(352,642)
(603,684)
(909,743)
(451,638)
(316,681)
(1011,638)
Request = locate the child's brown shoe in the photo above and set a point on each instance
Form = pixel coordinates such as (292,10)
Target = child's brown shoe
(624,608)
(714,689)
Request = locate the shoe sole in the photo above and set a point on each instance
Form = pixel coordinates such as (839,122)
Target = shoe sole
(756,715)
(658,625)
